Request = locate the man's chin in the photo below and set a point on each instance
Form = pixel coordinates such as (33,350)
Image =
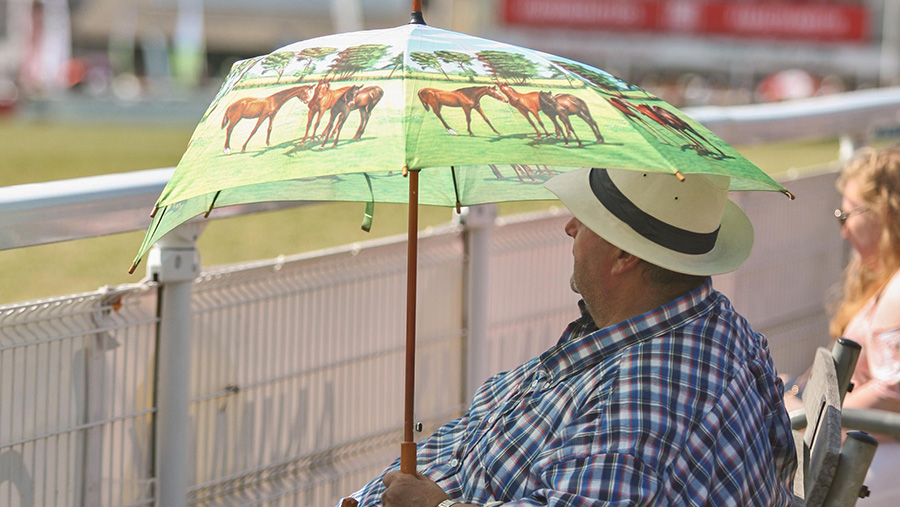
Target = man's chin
(573,285)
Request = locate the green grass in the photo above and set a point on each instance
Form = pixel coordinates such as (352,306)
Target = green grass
(40,152)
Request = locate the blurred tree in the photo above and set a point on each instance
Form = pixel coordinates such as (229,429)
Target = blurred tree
(356,58)
(462,59)
(604,81)
(395,63)
(310,56)
(277,62)
(428,61)
(509,66)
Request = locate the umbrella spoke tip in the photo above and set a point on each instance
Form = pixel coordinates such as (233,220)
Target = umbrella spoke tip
(134,266)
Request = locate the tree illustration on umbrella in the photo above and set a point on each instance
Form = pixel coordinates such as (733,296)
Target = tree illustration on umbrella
(428,61)
(508,66)
(463,60)
(277,63)
(311,56)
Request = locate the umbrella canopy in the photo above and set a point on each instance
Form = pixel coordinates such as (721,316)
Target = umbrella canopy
(482,122)
(405,92)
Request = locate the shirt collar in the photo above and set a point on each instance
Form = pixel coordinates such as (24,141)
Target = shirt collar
(582,345)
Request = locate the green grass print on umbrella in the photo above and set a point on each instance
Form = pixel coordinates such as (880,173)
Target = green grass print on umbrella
(504,160)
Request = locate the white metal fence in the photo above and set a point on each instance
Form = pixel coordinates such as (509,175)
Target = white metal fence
(291,377)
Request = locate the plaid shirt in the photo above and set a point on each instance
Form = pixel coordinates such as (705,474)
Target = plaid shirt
(678,406)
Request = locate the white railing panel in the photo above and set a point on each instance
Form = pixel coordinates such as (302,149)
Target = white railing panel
(298,368)
(531,301)
(76,400)
(796,262)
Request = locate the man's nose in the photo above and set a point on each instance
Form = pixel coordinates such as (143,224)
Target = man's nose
(571,226)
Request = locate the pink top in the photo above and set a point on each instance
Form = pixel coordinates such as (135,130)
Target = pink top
(879,361)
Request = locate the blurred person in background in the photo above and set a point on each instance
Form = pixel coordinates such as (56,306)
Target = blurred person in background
(868,311)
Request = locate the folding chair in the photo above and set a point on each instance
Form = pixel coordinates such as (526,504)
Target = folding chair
(828,473)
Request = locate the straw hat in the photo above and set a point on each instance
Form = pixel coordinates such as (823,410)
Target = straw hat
(687,226)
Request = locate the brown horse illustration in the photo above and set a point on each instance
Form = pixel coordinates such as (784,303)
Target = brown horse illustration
(698,142)
(468,98)
(633,114)
(574,105)
(340,109)
(262,109)
(680,128)
(365,101)
(554,110)
(526,103)
(322,99)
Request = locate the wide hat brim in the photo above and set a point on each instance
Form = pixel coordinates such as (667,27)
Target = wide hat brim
(732,243)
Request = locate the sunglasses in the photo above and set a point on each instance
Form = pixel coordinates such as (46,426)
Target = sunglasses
(842,216)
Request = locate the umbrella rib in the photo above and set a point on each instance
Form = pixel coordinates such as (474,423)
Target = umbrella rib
(134,264)
(370,206)
(455,188)
(213,203)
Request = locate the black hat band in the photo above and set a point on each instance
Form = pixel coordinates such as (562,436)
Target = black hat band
(651,228)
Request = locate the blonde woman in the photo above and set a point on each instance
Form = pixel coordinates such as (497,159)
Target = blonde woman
(869,309)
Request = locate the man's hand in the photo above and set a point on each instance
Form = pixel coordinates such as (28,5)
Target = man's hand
(405,490)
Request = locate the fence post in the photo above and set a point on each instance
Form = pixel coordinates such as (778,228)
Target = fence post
(174,263)
(478,224)
(849,143)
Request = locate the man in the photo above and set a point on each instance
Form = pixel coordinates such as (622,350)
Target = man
(659,394)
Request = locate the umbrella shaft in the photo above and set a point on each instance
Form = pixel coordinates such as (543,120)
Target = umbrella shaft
(408,450)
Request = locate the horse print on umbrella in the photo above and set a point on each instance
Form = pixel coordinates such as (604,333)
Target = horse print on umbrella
(561,106)
(364,102)
(633,115)
(468,98)
(261,108)
(670,123)
(526,103)
(522,170)
(340,108)
(323,98)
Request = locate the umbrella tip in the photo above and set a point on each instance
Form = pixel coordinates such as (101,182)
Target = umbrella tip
(405,171)
(789,194)
(134,266)
(153,213)
(679,175)
(416,17)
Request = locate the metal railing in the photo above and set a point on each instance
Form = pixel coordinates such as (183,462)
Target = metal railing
(274,382)
(40,213)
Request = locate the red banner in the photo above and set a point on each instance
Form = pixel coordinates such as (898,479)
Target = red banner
(783,20)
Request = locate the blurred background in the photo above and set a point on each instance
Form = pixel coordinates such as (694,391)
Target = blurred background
(71,57)
(91,87)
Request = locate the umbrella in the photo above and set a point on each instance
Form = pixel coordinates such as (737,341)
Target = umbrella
(476,121)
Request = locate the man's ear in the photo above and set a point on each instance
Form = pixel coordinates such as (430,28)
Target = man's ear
(625,262)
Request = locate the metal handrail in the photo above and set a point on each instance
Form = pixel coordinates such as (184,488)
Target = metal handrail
(64,210)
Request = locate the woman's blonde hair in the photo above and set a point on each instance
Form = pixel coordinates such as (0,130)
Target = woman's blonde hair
(877,176)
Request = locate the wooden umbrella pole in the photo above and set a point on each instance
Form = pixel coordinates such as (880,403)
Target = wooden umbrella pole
(417,6)
(408,446)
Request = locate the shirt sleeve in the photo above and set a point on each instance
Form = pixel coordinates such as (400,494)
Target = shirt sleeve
(884,357)
(609,480)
